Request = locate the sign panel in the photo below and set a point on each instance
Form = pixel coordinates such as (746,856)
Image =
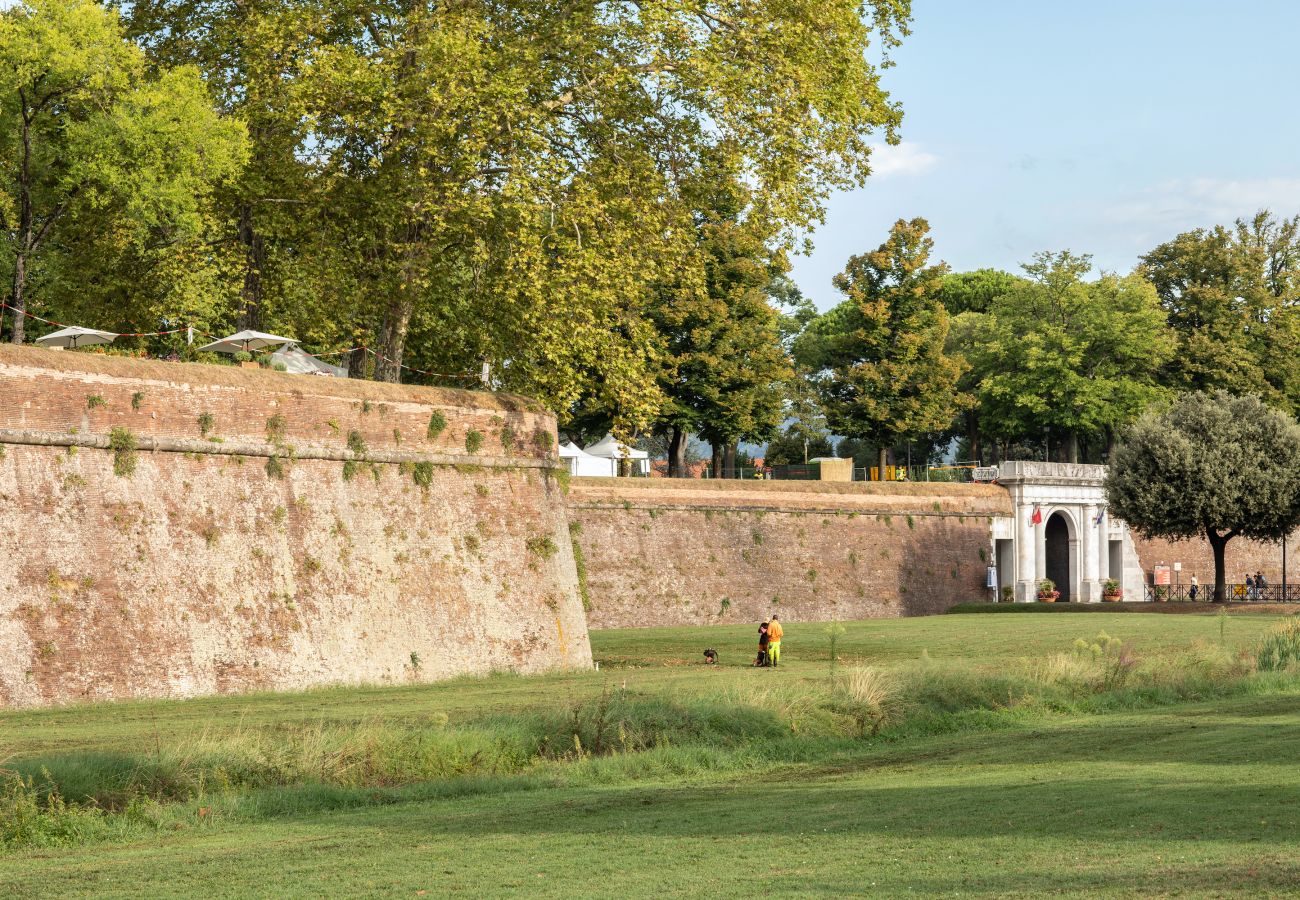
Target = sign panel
(991,578)
(1161,574)
(985,473)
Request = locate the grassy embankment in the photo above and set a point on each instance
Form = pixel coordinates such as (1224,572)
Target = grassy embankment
(966,756)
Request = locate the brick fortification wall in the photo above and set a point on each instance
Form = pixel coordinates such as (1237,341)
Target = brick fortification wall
(698,552)
(1241,558)
(278,531)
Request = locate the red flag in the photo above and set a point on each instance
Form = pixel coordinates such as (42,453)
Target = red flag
(1037,517)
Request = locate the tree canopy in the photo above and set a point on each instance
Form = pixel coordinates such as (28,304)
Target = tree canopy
(1209,464)
(1060,354)
(883,370)
(518,182)
(104,160)
(1232,297)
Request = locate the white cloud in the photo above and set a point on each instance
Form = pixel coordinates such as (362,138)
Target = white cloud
(900,159)
(1204,202)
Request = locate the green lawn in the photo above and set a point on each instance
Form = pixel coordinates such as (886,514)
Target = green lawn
(1199,798)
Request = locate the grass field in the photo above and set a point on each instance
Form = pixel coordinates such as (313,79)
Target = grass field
(1001,761)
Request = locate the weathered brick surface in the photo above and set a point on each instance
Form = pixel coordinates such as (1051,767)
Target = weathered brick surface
(1241,558)
(697,552)
(203,573)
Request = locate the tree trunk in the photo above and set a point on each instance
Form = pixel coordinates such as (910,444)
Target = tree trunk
(1218,543)
(883,460)
(26,238)
(1071,447)
(677,439)
(973,435)
(18,300)
(729,461)
(392,340)
(356,363)
(717,458)
(250,312)
(1112,443)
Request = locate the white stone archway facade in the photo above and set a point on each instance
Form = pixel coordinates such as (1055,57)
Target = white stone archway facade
(1100,546)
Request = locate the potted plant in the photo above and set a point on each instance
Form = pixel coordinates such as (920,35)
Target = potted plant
(1008,594)
(1047,592)
(1111,590)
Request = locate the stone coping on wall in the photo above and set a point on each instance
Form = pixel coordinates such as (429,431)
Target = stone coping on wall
(918,498)
(267,380)
(194,407)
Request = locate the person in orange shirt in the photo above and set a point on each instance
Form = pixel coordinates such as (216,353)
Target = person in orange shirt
(774,641)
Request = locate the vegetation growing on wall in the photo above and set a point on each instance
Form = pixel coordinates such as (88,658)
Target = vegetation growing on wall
(123,444)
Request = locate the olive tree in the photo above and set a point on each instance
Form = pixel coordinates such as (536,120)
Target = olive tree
(1213,465)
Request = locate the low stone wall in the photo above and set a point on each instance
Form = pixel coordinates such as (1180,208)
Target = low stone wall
(269,531)
(670,552)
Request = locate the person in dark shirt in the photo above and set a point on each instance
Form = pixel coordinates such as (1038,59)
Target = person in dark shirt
(762,660)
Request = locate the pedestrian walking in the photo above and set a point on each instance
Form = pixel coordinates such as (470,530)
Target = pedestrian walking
(1194,589)
(1260,585)
(1250,587)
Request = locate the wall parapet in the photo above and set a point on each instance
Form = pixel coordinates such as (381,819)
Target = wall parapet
(917,499)
(169,405)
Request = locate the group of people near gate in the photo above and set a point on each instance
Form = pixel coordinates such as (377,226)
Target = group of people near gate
(1253,589)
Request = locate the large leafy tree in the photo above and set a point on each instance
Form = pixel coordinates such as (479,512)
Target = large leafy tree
(512,182)
(884,374)
(1210,465)
(1232,296)
(1066,356)
(97,150)
(724,363)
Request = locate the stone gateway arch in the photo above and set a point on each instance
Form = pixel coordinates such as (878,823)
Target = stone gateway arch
(1061,530)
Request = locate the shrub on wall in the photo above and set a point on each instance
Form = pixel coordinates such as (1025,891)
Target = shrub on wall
(123,444)
(473,440)
(437,423)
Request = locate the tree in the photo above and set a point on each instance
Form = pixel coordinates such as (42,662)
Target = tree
(1232,297)
(724,361)
(513,182)
(884,375)
(975,292)
(1066,356)
(794,447)
(86,131)
(1213,465)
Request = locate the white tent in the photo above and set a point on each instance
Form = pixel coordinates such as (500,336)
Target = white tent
(583,464)
(296,360)
(614,450)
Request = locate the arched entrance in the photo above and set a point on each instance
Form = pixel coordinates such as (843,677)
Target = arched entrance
(1057,539)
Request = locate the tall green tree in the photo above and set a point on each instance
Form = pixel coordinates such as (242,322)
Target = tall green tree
(1210,465)
(724,362)
(884,373)
(1232,296)
(510,182)
(1066,356)
(87,131)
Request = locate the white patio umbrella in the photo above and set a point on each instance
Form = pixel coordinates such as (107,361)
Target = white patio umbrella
(74,336)
(246,341)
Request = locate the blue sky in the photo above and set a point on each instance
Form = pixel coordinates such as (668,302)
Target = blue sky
(1103,127)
